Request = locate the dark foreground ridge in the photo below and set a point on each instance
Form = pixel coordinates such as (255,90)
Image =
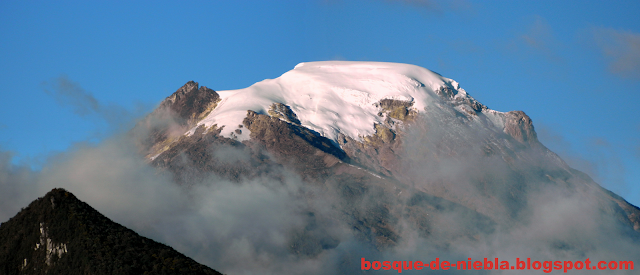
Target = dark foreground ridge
(59,234)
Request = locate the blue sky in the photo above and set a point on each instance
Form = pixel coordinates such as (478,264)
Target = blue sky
(79,71)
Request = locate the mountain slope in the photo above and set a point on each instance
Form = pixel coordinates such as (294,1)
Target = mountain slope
(395,151)
(59,234)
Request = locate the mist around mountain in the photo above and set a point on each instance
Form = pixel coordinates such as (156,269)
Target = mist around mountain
(272,192)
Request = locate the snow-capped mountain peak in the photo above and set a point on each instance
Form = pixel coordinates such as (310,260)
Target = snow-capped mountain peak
(336,97)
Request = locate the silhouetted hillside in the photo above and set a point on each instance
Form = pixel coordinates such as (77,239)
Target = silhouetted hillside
(59,234)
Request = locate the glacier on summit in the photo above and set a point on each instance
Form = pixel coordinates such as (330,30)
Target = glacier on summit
(341,97)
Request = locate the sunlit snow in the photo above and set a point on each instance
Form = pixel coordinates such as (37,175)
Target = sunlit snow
(331,97)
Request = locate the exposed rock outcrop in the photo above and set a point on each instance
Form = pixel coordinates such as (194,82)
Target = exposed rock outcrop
(519,126)
(173,117)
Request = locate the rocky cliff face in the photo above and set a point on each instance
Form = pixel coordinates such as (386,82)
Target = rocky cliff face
(175,115)
(59,234)
(519,126)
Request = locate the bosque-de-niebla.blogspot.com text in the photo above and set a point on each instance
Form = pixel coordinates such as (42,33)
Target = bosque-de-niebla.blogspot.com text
(496,264)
